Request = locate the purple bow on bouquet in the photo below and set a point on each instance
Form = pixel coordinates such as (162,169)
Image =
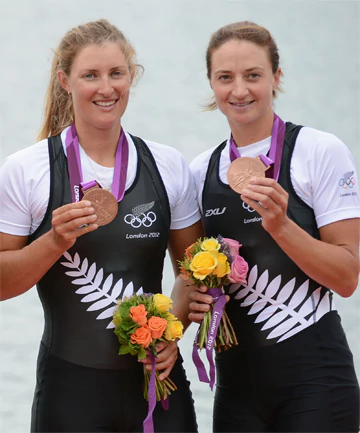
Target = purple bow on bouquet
(213,262)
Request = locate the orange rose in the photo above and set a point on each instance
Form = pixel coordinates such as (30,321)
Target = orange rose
(188,251)
(157,326)
(142,336)
(138,314)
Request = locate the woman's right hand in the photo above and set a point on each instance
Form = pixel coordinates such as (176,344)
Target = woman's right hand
(71,221)
(200,304)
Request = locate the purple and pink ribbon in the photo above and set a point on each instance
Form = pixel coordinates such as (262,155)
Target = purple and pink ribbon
(275,152)
(148,424)
(217,312)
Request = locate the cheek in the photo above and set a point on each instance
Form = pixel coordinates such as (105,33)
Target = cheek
(124,96)
(219,93)
(82,93)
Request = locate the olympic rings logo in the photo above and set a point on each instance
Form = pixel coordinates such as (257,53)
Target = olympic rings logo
(247,207)
(347,183)
(143,219)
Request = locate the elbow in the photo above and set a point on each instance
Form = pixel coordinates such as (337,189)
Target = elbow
(348,286)
(8,292)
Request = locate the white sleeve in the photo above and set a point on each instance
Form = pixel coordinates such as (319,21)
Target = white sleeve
(324,176)
(24,190)
(179,185)
(199,168)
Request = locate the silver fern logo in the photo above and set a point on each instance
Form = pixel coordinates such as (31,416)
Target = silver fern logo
(140,216)
(287,319)
(102,294)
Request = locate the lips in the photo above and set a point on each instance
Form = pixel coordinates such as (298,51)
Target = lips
(241,104)
(105,103)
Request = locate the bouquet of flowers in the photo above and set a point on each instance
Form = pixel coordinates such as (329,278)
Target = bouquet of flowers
(141,322)
(214,262)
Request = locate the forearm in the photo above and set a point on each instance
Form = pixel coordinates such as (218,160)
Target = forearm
(180,296)
(333,266)
(21,269)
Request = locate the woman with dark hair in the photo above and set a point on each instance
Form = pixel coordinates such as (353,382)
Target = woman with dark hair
(289,194)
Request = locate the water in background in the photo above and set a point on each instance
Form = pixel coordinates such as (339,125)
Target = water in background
(319,49)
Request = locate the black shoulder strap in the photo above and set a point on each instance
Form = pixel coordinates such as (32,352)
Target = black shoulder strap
(58,177)
(147,158)
(302,214)
(213,169)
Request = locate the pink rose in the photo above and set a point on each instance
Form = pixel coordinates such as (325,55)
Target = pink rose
(239,270)
(233,246)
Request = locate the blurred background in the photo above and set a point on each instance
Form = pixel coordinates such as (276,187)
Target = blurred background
(319,48)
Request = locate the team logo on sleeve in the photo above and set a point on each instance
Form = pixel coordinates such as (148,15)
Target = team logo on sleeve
(348,180)
(214,212)
(141,216)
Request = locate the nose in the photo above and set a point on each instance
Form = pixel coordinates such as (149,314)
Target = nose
(240,89)
(106,88)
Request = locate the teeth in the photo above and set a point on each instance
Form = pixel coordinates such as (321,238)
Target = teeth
(105,104)
(243,105)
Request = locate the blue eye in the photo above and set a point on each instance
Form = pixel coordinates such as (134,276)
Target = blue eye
(89,76)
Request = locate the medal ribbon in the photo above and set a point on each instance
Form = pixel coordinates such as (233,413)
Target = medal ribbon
(148,423)
(217,312)
(75,170)
(276,148)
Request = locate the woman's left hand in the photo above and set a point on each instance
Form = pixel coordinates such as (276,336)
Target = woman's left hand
(270,200)
(167,353)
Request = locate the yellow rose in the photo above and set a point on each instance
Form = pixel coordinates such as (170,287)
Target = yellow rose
(203,264)
(223,267)
(171,317)
(210,244)
(162,302)
(174,330)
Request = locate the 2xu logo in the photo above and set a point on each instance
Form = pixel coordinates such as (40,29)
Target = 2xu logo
(212,212)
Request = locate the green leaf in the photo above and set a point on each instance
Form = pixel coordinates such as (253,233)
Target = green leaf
(124,350)
(142,354)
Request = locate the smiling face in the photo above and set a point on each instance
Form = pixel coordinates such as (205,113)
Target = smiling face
(99,82)
(243,83)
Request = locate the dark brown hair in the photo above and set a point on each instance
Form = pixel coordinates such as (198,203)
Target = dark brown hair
(243,31)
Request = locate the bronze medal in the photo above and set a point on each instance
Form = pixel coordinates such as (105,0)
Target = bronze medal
(242,169)
(104,203)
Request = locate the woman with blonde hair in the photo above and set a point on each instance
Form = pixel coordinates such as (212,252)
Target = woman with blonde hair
(87,215)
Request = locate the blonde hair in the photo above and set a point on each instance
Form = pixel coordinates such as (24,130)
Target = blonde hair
(242,31)
(59,112)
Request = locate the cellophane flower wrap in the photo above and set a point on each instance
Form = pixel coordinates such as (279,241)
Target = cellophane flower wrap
(141,322)
(214,263)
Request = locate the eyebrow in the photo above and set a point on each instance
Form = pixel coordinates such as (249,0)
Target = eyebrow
(96,70)
(224,71)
